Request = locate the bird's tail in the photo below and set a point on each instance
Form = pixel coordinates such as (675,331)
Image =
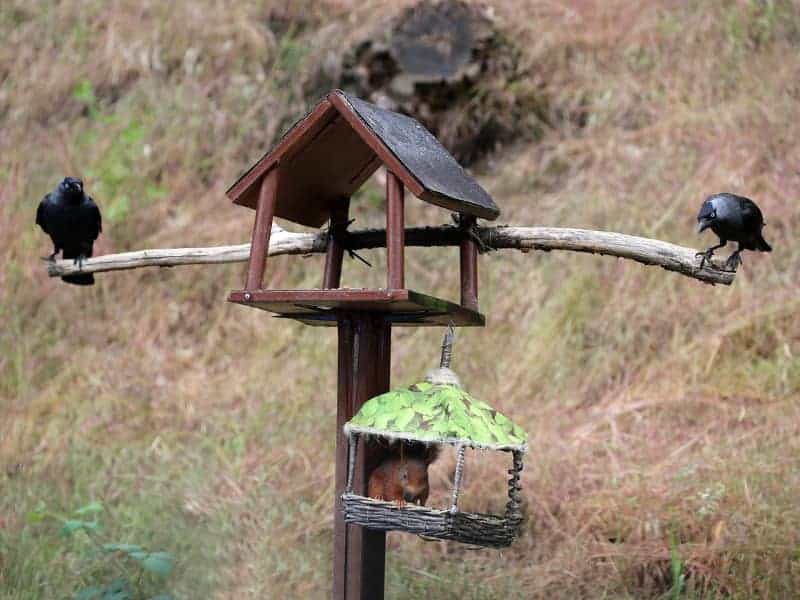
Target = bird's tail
(761,244)
(80,278)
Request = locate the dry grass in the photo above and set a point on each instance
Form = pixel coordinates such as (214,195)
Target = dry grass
(664,414)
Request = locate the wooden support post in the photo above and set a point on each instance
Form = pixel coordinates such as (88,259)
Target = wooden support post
(395,232)
(265,213)
(364,363)
(332,277)
(469,268)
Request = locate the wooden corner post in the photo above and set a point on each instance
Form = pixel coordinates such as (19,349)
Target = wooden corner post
(265,213)
(332,277)
(395,232)
(469,266)
(365,341)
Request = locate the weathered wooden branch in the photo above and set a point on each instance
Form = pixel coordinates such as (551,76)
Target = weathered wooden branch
(644,250)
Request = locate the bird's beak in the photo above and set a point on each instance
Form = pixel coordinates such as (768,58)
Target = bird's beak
(702,225)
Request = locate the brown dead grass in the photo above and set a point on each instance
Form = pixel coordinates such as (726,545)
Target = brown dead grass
(663,414)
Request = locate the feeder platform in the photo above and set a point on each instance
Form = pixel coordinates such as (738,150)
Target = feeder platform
(322,306)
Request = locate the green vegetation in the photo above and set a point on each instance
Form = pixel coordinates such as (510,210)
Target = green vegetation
(663,415)
(94,554)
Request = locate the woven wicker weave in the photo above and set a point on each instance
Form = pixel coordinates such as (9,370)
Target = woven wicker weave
(470,528)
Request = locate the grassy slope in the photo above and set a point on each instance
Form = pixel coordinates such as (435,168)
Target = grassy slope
(663,413)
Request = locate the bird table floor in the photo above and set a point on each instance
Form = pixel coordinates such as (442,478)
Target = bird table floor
(322,306)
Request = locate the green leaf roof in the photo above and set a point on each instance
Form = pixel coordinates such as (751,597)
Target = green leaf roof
(431,412)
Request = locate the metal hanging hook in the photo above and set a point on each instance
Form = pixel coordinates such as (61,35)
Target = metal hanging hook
(447,346)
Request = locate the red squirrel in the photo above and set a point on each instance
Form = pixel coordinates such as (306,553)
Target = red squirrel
(403,475)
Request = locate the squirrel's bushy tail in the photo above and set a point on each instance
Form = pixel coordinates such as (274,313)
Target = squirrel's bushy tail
(417,450)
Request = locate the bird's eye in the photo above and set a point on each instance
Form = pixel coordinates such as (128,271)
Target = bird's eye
(713,215)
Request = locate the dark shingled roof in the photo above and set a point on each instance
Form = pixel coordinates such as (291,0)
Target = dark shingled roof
(422,154)
(330,153)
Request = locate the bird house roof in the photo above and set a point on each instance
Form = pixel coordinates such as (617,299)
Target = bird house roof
(326,156)
(437,413)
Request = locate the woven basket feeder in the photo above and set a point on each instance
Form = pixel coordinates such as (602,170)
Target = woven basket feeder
(437,411)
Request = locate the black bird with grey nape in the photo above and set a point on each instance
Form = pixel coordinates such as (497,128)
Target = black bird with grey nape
(733,218)
(73,222)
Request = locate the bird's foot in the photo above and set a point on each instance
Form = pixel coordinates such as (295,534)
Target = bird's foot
(733,262)
(78,260)
(706,256)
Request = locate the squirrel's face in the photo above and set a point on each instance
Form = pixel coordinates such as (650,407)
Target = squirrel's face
(414,481)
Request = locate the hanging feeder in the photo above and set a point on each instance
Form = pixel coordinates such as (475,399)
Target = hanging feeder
(437,411)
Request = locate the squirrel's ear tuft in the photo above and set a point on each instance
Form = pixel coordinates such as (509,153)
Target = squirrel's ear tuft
(432,453)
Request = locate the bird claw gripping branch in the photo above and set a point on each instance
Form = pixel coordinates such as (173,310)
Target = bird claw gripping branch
(470,228)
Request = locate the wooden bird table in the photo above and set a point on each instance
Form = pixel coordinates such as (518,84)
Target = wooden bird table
(309,178)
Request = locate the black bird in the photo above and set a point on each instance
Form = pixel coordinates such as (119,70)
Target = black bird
(733,218)
(72,220)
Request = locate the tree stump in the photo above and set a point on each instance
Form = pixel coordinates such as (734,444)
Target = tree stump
(446,64)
